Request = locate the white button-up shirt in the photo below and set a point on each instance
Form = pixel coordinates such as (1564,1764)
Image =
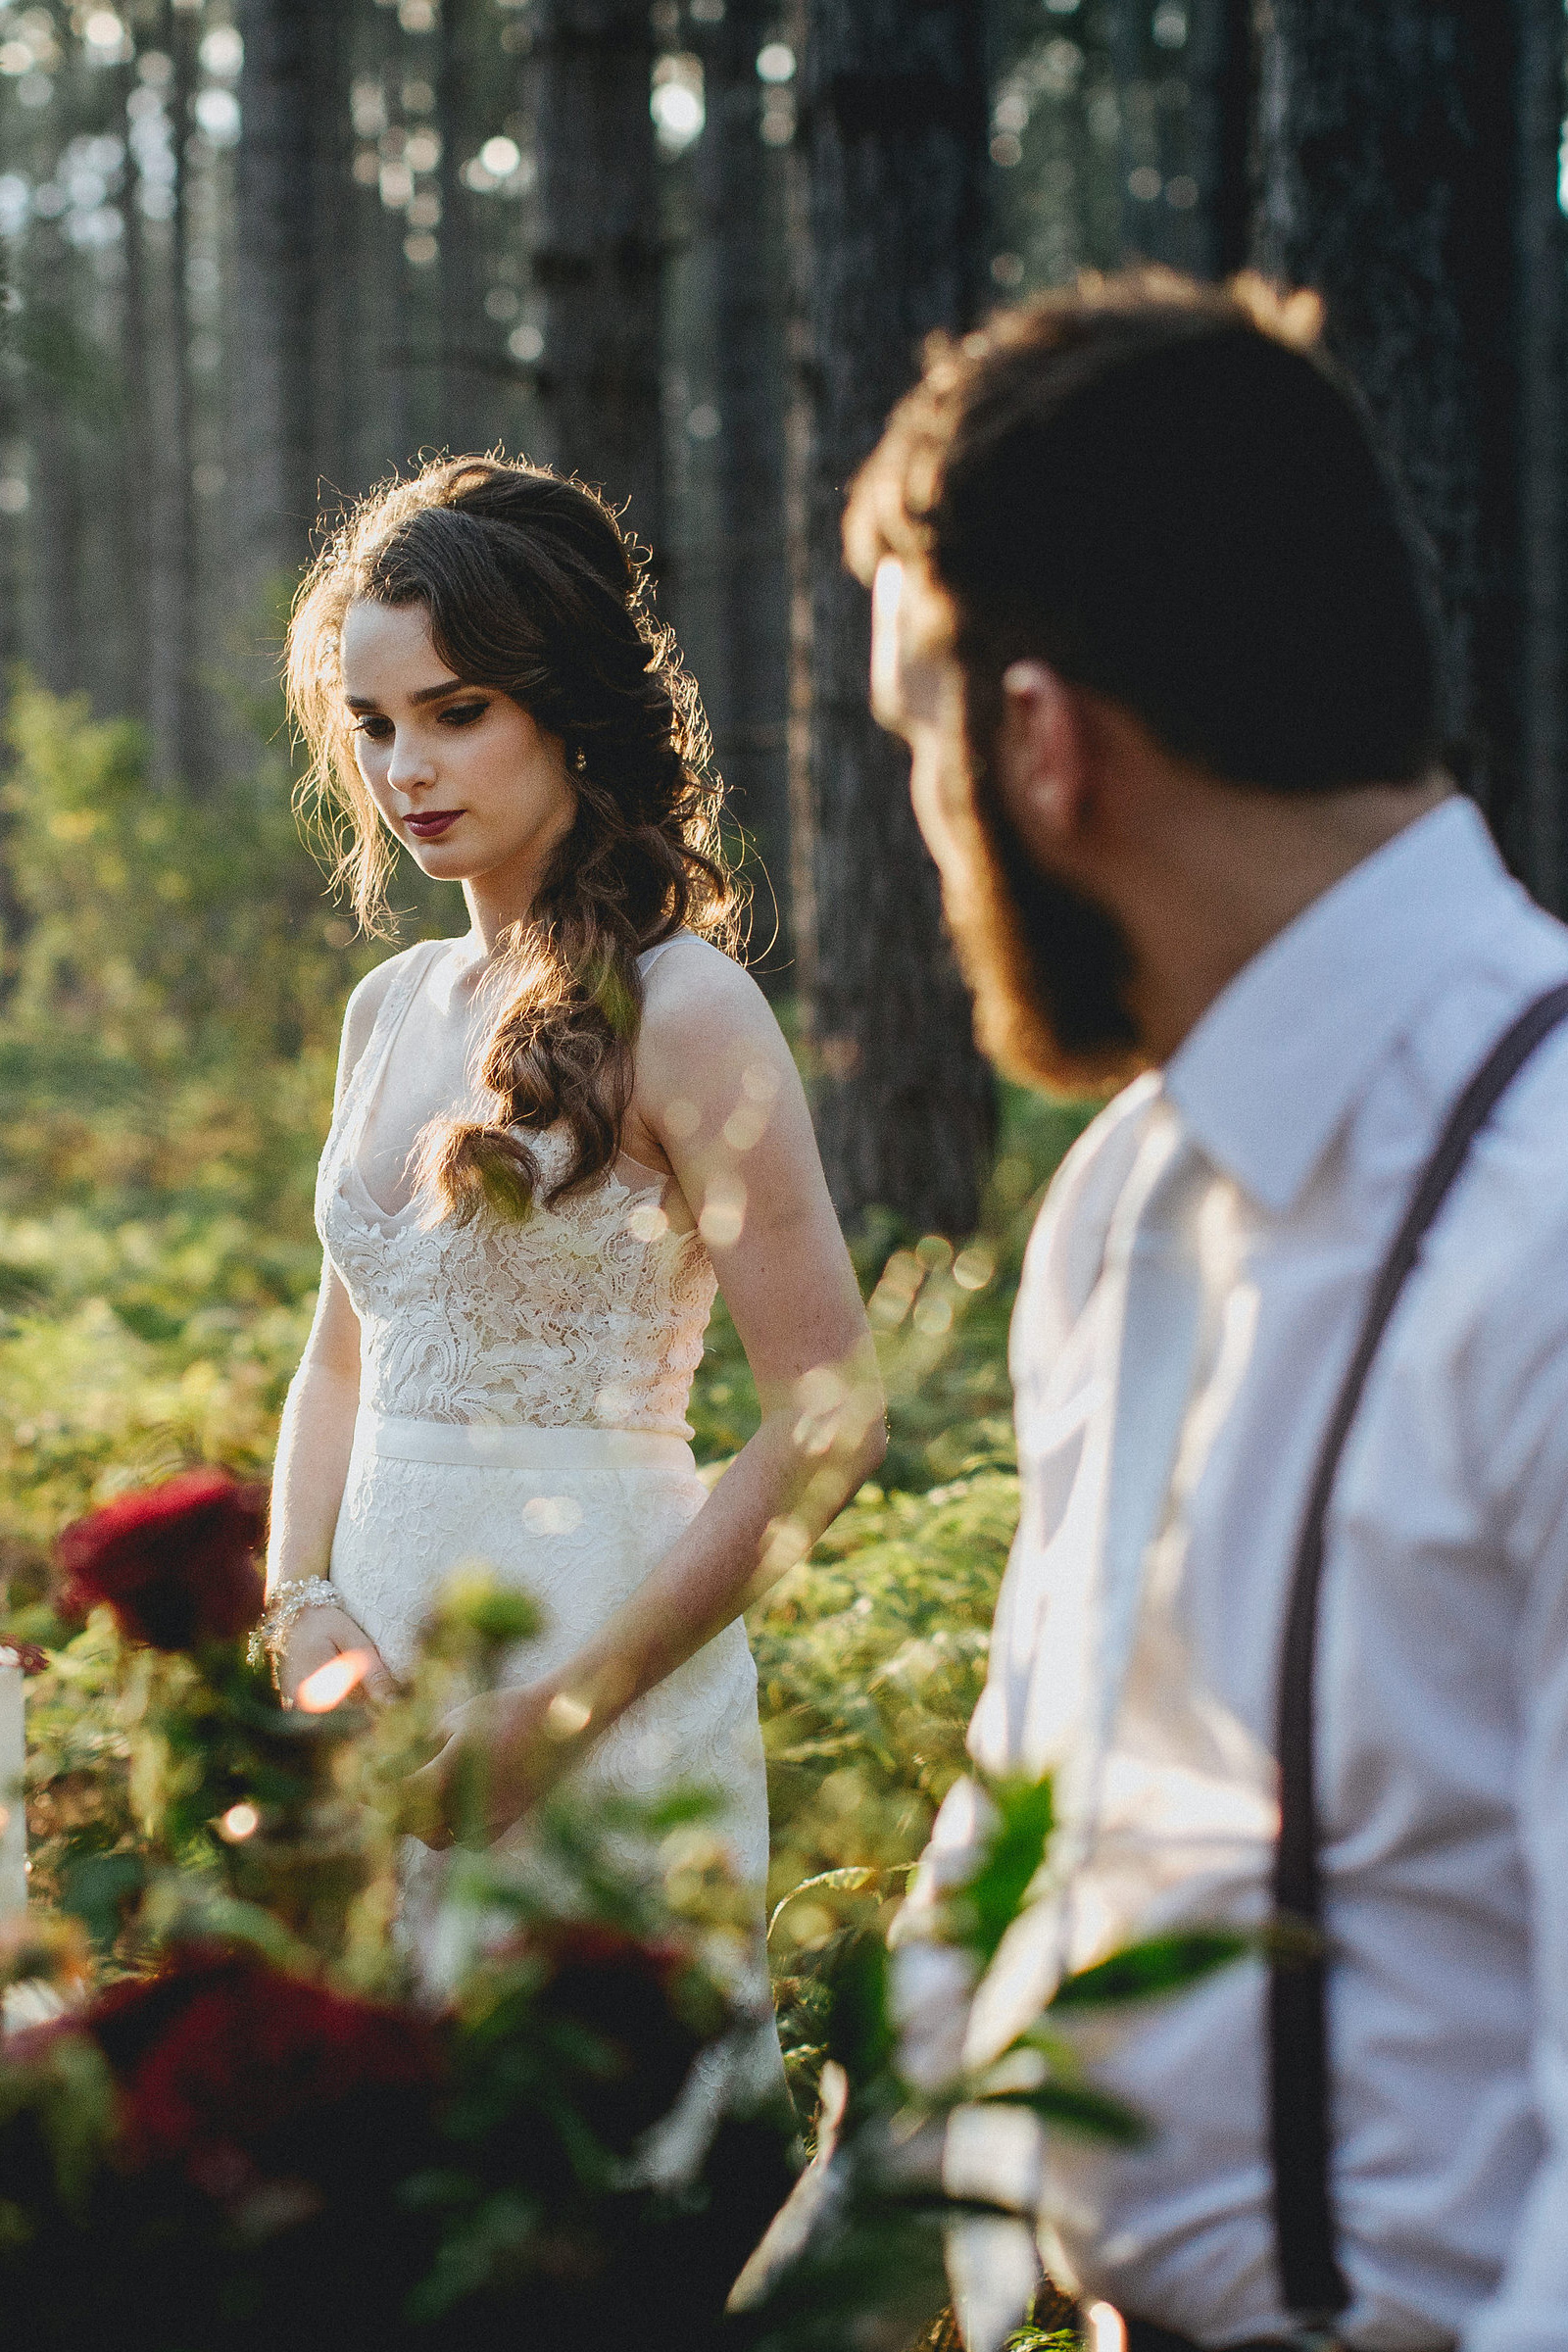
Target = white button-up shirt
(1138,1634)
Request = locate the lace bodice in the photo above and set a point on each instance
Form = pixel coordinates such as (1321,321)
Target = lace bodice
(592,1313)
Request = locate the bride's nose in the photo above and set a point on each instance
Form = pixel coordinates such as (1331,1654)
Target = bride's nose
(410,768)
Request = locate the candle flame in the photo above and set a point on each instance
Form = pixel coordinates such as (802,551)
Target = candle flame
(330,1684)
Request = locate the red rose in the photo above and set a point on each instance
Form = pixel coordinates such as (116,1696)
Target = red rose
(237,2073)
(175,1562)
(626,1994)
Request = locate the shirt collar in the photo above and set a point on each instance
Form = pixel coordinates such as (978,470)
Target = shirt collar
(1269,1074)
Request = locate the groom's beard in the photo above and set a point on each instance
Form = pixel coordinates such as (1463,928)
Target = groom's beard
(1047,967)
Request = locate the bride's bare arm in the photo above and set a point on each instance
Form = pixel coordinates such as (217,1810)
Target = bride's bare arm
(718,1099)
(315,1441)
(313,1444)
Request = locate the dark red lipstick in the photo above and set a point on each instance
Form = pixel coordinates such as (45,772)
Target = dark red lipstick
(433,823)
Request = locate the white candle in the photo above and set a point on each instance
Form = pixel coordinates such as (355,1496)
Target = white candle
(13,1765)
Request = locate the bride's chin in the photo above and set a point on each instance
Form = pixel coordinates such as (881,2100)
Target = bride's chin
(441,862)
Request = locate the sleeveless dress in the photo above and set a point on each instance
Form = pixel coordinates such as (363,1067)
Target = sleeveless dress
(522,1400)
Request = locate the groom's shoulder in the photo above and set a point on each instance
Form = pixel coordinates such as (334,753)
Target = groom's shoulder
(1067,1244)
(1091,1175)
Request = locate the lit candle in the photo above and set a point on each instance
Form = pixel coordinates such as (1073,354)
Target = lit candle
(13,1765)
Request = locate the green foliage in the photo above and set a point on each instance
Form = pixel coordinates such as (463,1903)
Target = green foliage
(853,2253)
(172,984)
(163,953)
(870,1657)
(1163,1963)
(1011,1859)
(171,993)
(449,2180)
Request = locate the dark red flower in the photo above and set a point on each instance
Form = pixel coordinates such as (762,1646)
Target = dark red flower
(627,1994)
(28,1656)
(175,1562)
(236,2073)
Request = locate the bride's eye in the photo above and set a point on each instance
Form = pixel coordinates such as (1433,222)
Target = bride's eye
(463,714)
(373,725)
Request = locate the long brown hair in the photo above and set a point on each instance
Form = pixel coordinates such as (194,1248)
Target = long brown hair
(531,588)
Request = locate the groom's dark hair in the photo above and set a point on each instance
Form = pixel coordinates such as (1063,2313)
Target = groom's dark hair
(1171,494)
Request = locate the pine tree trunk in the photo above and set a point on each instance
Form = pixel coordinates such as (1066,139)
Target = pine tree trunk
(337,383)
(274,195)
(895,130)
(386,428)
(159,317)
(596,257)
(54,640)
(468,373)
(1409,153)
(743,585)
(292,199)
(1222,65)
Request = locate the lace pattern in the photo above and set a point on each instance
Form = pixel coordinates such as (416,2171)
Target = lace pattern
(591,1314)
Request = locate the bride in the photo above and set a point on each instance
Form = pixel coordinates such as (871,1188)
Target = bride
(554,1137)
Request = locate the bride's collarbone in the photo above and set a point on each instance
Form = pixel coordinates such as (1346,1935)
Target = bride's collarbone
(428,1076)
(425,1075)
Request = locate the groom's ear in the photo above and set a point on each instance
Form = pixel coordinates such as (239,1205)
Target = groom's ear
(1042,759)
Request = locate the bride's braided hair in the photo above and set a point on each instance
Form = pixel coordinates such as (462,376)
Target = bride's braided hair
(531,588)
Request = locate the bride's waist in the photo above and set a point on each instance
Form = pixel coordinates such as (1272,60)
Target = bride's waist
(517,1445)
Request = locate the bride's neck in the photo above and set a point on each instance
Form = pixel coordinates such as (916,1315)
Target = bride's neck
(490,912)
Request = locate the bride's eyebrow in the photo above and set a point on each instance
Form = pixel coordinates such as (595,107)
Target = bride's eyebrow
(426,694)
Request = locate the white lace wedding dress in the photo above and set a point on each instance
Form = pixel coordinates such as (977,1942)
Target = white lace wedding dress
(523,1399)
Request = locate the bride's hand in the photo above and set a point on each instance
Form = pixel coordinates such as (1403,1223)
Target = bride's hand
(317,1636)
(501,1757)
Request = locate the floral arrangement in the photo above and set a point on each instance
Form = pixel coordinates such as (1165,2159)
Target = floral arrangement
(249,2125)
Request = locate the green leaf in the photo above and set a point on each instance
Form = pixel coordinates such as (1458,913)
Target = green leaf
(986,1908)
(861,2033)
(855,1879)
(99,1889)
(1075,2107)
(1161,1964)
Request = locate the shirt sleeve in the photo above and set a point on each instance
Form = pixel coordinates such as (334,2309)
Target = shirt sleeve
(1523,1406)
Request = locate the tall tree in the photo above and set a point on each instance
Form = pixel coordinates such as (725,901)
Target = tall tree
(1222,98)
(1184,98)
(596,252)
(1408,156)
(468,373)
(384,430)
(734,583)
(895,131)
(159,417)
(292,191)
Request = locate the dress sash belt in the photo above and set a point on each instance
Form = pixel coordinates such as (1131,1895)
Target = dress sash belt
(519,1444)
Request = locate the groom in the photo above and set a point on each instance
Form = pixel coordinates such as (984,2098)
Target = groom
(1153,619)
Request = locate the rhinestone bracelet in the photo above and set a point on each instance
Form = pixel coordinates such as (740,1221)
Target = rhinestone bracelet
(288,1602)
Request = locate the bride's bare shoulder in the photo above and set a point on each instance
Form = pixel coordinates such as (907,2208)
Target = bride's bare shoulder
(708,1034)
(691,982)
(366,1001)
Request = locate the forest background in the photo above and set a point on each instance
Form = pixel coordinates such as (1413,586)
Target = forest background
(259,253)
